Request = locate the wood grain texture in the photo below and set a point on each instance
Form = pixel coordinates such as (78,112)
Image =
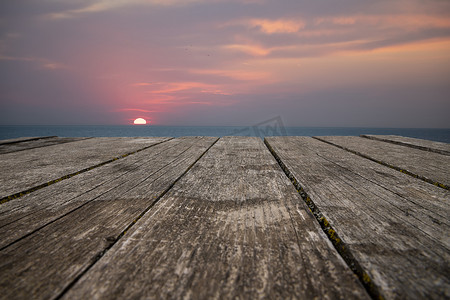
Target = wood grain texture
(36,143)
(26,169)
(395,226)
(426,145)
(23,216)
(42,265)
(23,139)
(429,166)
(233,227)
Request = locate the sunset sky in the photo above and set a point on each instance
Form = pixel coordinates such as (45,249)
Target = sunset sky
(225,62)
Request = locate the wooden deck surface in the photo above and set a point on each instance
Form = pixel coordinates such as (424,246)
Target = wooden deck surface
(438,147)
(14,146)
(432,167)
(235,217)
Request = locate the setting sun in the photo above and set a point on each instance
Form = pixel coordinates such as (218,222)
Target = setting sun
(140,121)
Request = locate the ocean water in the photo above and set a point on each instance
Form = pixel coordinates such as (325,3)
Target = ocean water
(274,128)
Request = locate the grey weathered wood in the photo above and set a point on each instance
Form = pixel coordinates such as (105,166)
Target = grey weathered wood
(396,226)
(432,167)
(36,143)
(43,264)
(426,145)
(23,139)
(26,169)
(24,215)
(232,227)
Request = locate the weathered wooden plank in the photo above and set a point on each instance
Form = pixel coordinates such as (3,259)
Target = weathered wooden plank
(426,145)
(233,227)
(429,166)
(20,217)
(43,264)
(27,169)
(23,139)
(36,143)
(396,227)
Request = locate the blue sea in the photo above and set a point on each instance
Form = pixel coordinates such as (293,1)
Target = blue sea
(261,130)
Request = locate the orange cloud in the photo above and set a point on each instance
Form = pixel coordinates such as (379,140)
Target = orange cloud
(425,61)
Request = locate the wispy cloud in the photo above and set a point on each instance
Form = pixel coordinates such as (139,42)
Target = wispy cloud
(153,57)
(254,50)
(401,21)
(164,99)
(41,62)
(237,74)
(268,26)
(277,26)
(136,109)
(141,84)
(376,30)
(106,5)
(175,87)
(53,66)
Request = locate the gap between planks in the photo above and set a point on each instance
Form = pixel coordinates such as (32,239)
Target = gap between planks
(20,140)
(332,235)
(71,243)
(38,187)
(113,241)
(227,196)
(39,143)
(430,146)
(41,212)
(428,180)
